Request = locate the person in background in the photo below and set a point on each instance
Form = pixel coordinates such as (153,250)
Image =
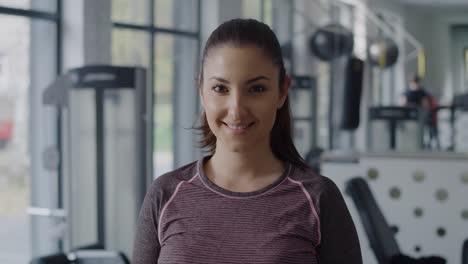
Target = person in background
(417,96)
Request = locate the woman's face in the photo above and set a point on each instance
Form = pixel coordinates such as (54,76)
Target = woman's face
(240,93)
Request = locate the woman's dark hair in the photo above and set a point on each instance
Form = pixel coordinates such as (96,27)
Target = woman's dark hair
(242,32)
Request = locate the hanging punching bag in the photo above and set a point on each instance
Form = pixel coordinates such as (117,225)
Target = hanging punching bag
(383,52)
(354,74)
(331,41)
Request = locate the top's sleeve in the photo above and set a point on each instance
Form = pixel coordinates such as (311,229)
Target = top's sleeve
(146,244)
(339,240)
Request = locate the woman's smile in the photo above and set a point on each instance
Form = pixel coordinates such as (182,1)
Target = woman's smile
(239,128)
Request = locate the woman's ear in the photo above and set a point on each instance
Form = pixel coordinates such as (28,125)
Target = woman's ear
(284,91)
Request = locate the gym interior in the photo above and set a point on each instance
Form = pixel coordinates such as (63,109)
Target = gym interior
(99,98)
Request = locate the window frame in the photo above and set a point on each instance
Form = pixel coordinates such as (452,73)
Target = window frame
(42,15)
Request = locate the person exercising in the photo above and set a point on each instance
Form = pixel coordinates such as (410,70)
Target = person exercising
(417,96)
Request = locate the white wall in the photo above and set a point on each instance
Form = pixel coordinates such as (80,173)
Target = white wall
(420,179)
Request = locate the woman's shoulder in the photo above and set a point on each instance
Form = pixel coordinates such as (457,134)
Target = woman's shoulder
(167,182)
(312,181)
(308,175)
(321,189)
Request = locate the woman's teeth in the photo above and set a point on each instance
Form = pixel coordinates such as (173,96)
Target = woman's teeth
(238,126)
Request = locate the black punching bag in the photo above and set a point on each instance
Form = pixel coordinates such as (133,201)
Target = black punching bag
(354,74)
(383,52)
(331,41)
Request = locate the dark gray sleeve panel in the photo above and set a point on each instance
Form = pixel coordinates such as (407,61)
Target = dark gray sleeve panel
(146,245)
(339,240)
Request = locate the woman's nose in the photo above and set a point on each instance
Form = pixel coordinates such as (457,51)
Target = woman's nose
(237,106)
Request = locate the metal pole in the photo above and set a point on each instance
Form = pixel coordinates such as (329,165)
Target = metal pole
(58,66)
(100,173)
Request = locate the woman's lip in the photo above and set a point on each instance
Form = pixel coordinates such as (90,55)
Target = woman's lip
(238,131)
(239,125)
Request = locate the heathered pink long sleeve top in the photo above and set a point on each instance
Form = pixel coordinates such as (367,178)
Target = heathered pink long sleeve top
(300,218)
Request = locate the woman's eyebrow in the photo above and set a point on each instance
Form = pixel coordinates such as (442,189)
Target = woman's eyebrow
(261,77)
(219,79)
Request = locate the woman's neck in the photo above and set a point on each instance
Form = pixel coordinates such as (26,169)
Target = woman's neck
(255,168)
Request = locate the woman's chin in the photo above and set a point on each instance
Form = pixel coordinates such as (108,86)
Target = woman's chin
(240,147)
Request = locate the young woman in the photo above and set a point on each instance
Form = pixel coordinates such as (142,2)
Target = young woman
(253,199)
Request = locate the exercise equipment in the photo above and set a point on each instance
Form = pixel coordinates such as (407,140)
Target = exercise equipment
(352,94)
(383,52)
(465,252)
(380,234)
(84,257)
(394,115)
(303,96)
(105,131)
(331,41)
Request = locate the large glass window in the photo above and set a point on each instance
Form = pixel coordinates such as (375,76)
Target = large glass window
(14,158)
(176,14)
(252,9)
(134,12)
(167,44)
(261,10)
(24,23)
(267,12)
(163,107)
(131,47)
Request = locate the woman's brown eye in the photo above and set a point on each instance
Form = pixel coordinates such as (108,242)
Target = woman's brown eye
(257,89)
(219,89)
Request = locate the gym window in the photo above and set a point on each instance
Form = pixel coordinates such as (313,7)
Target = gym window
(164,37)
(29,61)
